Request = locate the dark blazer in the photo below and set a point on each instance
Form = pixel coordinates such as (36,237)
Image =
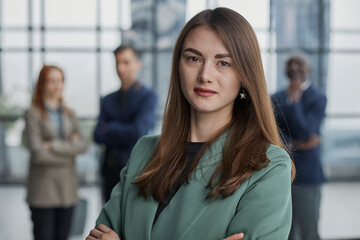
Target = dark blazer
(124,117)
(297,122)
(260,208)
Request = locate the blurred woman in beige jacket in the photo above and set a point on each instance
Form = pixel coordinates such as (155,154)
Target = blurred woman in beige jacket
(54,139)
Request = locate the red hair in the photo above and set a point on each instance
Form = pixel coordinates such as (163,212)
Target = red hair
(38,98)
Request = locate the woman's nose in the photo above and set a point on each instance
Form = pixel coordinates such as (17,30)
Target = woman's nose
(206,73)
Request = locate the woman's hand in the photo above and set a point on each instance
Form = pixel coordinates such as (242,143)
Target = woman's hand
(236,236)
(294,91)
(75,137)
(47,144)
(313,141)
(105,233)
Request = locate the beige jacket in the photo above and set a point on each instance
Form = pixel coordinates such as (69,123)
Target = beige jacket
(52,180)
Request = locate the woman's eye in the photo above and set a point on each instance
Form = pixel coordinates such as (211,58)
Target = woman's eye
(193,59)
(224,64)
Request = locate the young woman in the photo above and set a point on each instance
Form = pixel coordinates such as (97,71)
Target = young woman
(54,139)
(218,169)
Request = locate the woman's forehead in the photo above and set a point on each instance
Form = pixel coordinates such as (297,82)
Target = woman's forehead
(204,38)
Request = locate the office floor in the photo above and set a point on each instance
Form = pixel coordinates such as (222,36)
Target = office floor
(340,211)
(15,222)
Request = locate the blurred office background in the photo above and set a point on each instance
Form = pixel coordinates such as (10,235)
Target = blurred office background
(80,35)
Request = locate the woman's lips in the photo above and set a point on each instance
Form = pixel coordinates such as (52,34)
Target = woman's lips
(204,92)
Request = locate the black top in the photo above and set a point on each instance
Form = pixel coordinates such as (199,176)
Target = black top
(191,149)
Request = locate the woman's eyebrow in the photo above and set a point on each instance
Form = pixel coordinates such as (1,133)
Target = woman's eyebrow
(224,55)
(220,55)
(193,51)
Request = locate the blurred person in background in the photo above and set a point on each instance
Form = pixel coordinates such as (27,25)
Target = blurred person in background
(218,169)
(300,111)
(125,116)
(54,138)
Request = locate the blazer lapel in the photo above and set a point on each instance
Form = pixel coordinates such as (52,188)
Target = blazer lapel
(65,124)
(49,129)
(179,216)
(139,216)
(308,97)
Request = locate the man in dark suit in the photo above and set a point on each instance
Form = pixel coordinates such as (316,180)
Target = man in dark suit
(300,111)
(125,115)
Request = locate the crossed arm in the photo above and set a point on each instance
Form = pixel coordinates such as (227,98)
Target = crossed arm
(115,133)
(52,151)
(105,233)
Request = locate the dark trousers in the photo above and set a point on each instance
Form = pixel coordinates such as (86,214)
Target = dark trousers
(110,179)
(306,212)
(51,223)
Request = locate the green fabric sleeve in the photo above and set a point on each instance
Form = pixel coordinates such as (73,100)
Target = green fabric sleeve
(264,211)
(110,214)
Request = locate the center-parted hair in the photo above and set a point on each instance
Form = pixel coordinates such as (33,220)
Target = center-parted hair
(250,132)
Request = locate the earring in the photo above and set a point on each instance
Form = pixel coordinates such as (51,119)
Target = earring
(242,93)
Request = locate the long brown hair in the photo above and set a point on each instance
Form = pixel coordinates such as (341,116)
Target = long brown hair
(251,130)
(38,98)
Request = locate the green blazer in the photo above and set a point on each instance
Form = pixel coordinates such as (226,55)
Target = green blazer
(260,208)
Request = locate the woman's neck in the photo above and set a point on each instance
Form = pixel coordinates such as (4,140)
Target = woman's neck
(204,126)
(52,103)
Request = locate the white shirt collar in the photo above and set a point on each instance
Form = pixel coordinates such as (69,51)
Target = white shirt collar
(305,85)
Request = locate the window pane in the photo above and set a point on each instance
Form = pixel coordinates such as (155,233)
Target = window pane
(15,81)
(36,38)
(18,155)
(341,147)
(15,39)
(193,7)
(255,11)
(263,39)
(140,34)
(70,13)
(37,64)
(269,65)
(87,164)
(270,80)
(80,84)
(36,13)
(109,13)
(163,73)
(141,39)
(332,124)
(345,14)
(71,39)
(265,60)
(344,40)
(297,24)
(169,21)
(110,39)
(146,73)
(343,84)
(14,13)
(110,81)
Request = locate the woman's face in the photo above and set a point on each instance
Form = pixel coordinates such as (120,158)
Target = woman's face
(208,78)
(54,84)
